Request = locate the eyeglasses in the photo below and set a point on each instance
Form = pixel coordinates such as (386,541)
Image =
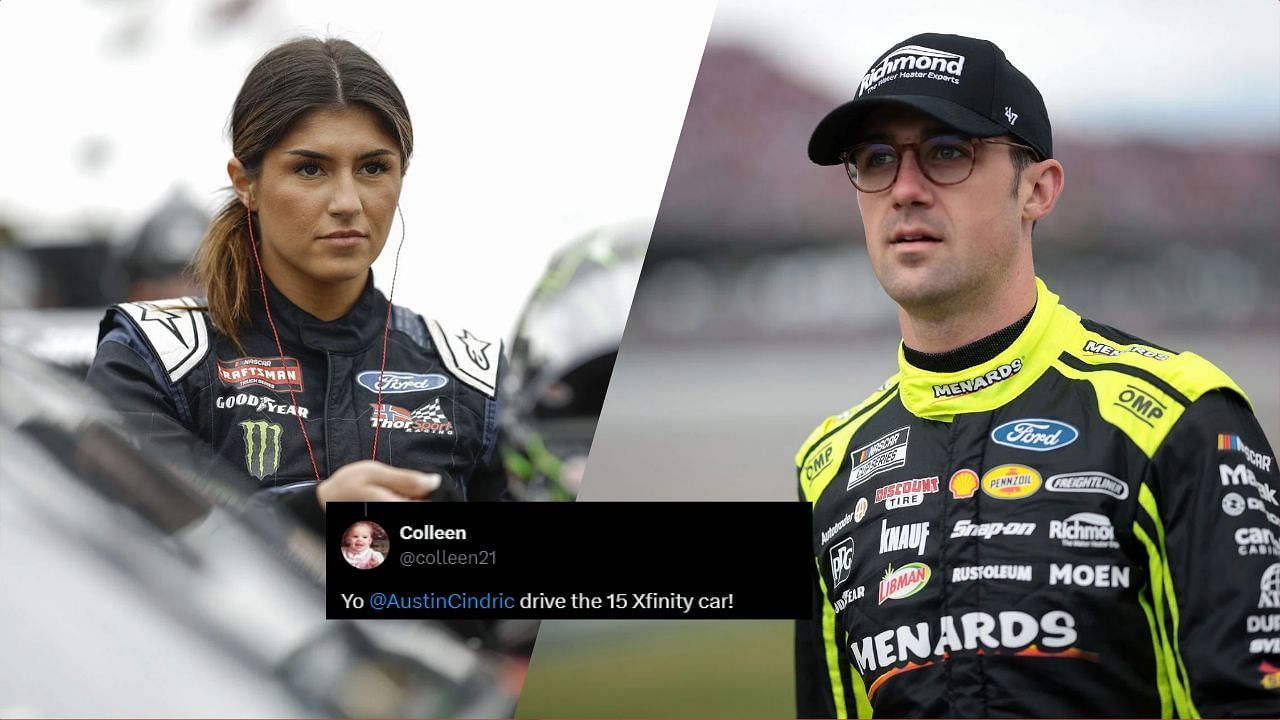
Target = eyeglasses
(944,160)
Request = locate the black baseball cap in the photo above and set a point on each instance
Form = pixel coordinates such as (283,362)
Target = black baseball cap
(962,82)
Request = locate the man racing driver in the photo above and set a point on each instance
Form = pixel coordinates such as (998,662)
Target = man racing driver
(1038,514)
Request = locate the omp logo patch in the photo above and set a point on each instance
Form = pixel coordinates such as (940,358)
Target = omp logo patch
(818,461)
(261,447)
(1011,482)
(883,454)
(1140,404)
(913,61)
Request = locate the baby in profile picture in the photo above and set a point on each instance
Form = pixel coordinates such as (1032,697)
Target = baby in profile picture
(358,544)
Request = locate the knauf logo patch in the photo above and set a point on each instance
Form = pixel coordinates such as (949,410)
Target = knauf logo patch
(910,62)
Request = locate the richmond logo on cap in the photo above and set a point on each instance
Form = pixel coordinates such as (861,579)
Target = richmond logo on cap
(913,61)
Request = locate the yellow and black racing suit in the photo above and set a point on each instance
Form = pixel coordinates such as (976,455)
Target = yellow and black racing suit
(1078,523)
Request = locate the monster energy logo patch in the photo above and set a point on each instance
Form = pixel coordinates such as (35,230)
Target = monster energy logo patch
(261,447)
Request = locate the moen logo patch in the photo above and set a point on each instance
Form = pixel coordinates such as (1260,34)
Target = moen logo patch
(913,61)
(903,582)
(400,382)
(277,374)
(1036,434)
(1011,482)
(981,382)
(964,483)
(885,453)
(261,447)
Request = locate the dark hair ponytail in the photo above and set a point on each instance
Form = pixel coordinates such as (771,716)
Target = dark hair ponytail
(285,84)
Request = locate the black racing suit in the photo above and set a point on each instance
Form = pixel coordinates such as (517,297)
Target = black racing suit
(171,371)
(1081,524)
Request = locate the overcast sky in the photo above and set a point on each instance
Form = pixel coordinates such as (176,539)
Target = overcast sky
(1145,67)
(534,122)
(537,121)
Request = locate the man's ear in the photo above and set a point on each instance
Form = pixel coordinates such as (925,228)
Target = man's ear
(1047,179)
(241,182)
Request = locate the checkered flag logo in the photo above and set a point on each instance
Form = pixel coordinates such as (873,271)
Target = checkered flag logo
(430,413)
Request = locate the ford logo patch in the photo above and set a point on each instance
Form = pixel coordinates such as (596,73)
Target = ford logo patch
(401,382)
(1035,434)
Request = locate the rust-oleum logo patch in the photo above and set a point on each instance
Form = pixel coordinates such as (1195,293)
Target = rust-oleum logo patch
(974,384)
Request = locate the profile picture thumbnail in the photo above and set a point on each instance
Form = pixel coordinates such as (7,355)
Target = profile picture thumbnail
(365,545)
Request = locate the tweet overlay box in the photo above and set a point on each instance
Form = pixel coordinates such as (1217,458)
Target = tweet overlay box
(633,560)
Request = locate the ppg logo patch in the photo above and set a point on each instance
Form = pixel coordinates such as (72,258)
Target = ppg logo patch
(841,561)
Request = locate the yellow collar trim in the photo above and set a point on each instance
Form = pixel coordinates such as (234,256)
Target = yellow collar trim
(984,387)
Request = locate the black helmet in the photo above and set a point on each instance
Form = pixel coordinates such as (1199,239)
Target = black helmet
(562,357)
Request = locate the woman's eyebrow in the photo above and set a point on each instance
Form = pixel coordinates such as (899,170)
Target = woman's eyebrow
(321,156)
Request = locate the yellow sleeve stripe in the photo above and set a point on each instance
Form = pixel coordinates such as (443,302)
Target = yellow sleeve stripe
(820,464)
(1161,584)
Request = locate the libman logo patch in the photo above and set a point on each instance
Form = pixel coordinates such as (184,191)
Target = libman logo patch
(903,582)
(913,61)
(1011,482)
(981,382)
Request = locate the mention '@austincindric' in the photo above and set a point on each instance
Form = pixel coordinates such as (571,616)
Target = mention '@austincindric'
(563,560)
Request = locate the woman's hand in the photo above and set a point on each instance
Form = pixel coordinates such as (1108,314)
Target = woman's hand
(370,481)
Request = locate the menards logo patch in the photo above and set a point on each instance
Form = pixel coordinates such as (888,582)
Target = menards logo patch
(981,382)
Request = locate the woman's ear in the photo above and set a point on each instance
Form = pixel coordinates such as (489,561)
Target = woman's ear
(241,182)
